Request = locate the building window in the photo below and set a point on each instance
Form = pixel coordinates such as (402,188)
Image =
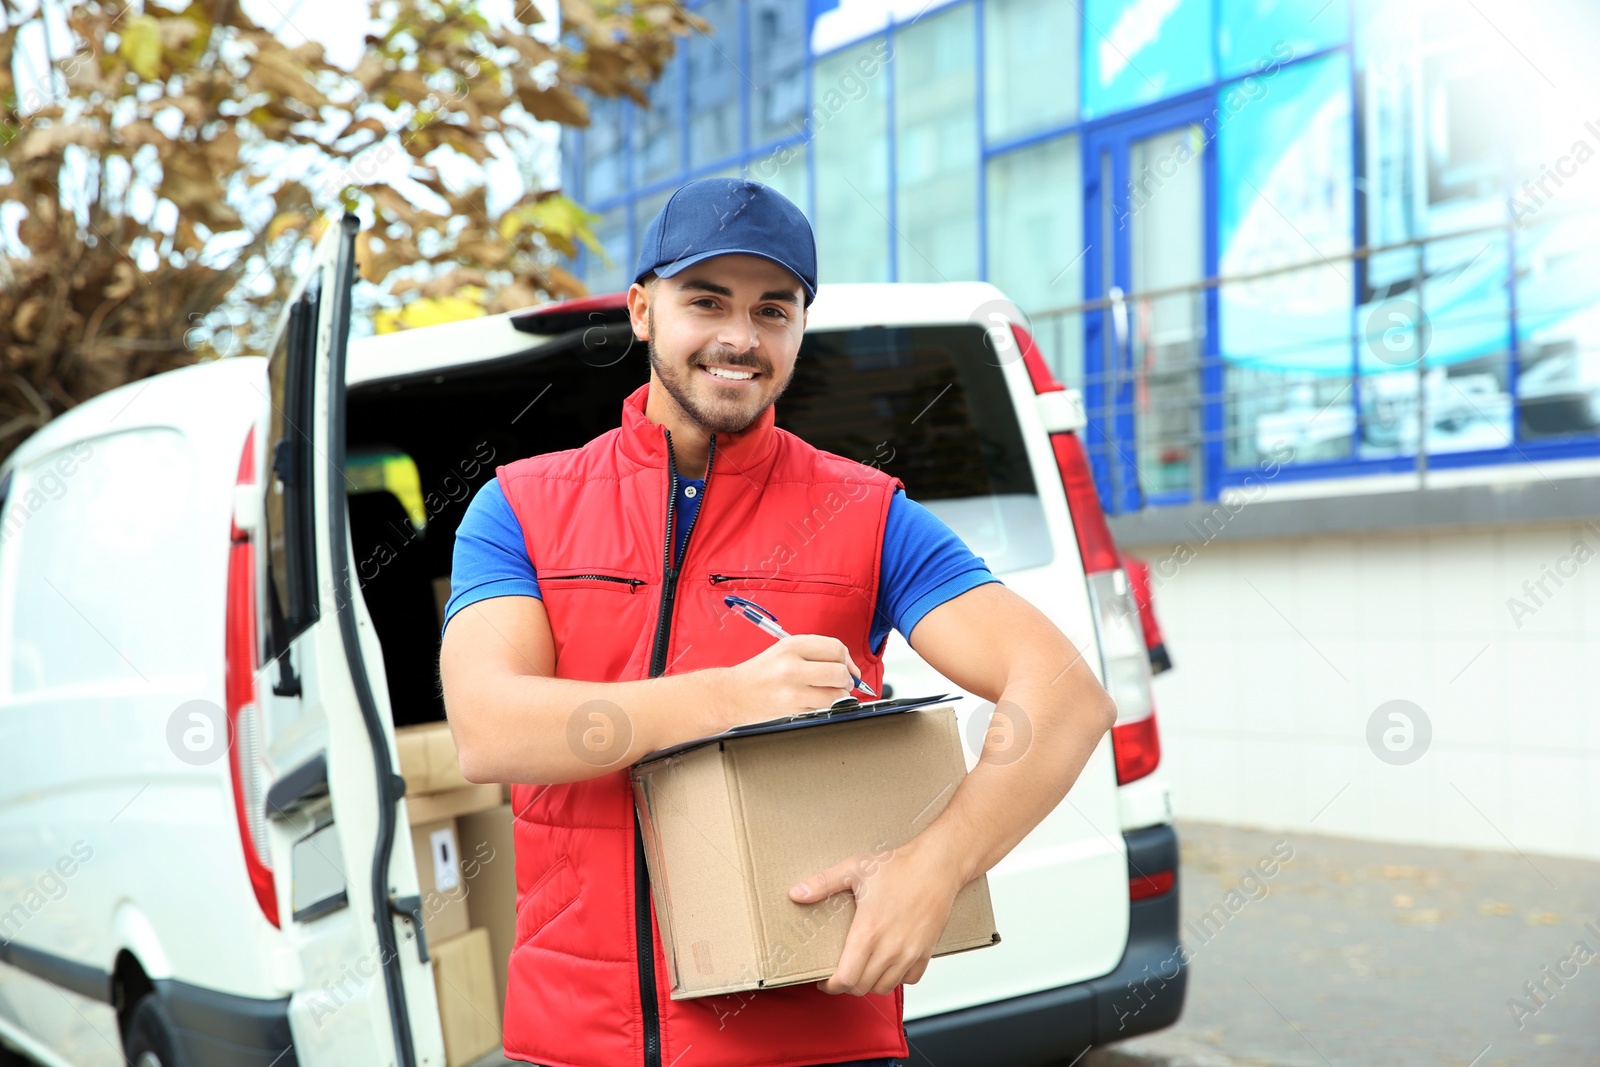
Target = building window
(658,129)
(1137,51)
(1035,233)
(785,171)
(715,82)
(850,116)
(936,150)
(603,175)
(1030,66)
(1558,336)
(612,234)
(1284,201)
(644,209)
(1441,120)
(1252,33)
(778,46)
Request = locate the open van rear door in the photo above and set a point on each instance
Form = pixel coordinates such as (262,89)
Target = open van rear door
(345,882)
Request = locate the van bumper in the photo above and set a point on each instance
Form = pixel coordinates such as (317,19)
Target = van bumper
(222,1030)
(1145,992)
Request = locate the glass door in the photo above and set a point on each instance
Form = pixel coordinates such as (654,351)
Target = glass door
(1149,352)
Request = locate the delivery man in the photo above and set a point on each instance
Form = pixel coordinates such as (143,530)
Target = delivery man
(587,627)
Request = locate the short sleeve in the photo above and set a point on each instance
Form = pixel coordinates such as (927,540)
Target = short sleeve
(490,558)
(924,564)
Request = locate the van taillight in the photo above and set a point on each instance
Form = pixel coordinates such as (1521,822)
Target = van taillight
(246,750)
(1124,657)
(1125,663)
(1095,545)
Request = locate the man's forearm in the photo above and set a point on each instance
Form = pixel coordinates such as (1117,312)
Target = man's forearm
(1046,736)
(550,730)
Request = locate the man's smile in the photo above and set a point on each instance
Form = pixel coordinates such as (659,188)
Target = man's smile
(728,375)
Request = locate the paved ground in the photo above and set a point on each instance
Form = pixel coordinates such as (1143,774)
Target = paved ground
(1359,953)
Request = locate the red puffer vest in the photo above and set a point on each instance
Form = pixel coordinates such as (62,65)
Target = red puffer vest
(794,528)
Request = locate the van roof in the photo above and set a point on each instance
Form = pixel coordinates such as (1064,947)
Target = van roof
(839,306)
(210,401)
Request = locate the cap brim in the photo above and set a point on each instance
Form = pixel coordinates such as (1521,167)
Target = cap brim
(677,267)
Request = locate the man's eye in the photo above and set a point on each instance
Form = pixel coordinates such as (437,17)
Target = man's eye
(779,312)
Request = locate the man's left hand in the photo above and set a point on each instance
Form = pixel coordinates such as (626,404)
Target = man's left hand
(903,901)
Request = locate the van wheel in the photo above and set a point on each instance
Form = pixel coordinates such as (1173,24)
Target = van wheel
(150,1040)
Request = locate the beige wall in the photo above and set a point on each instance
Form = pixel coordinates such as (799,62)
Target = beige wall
(1283,650)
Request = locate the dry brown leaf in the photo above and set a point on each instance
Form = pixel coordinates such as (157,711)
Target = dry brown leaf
(276,71)
(533,52)
(26,318)
(49,141)
(124,281)
(448,282)
(555,104)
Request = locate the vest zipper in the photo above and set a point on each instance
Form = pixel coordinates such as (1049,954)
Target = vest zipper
(658,664)
(633,583)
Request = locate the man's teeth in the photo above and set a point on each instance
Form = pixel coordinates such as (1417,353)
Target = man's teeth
(736,375)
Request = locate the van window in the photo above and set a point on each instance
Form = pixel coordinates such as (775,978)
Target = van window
(111,563)
(928,404)
(289,513)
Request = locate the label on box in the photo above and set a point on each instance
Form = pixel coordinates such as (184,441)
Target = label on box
(446,859)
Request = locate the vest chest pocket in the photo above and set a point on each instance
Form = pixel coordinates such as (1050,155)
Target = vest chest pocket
(742,582)
(600,614)
(816,603)
(592,579)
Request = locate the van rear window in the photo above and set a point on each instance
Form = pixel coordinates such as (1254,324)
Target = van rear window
(928,404)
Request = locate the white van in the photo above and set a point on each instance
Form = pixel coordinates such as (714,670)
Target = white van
(203,847)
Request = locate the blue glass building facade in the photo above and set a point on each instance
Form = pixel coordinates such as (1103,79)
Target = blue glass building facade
(1294,240)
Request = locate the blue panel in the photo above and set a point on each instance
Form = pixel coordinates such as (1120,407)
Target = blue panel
(1138,51)
(1251,32)
(1284,188)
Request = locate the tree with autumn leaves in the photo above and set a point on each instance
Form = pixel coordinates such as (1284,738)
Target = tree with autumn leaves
(164,171)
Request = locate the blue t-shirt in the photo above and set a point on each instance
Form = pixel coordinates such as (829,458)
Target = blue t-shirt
(923,564)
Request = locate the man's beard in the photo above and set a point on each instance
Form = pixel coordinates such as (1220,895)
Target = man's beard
(726,417)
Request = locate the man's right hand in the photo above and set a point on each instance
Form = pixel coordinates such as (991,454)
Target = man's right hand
(802,672)
(514,720)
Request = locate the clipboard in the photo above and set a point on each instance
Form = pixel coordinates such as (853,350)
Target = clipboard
(843,711)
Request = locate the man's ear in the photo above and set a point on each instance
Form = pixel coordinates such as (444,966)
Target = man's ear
(639,310)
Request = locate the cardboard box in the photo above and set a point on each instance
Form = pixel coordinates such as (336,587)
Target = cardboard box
(431,807)
(467,1011)
(437,848)
(427,755)
(489,861)
(731,824)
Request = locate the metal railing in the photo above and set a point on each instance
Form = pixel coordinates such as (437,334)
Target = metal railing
(1174,417)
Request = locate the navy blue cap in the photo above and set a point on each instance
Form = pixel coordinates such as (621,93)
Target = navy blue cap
(723,216)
